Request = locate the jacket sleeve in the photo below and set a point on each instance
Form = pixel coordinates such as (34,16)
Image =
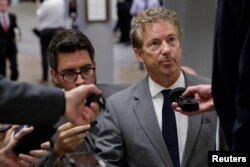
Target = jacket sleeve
(23,103)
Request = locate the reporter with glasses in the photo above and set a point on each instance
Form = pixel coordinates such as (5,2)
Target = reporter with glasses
(72,64)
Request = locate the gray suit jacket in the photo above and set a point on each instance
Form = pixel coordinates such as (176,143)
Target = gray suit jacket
(89,144)
(131,135)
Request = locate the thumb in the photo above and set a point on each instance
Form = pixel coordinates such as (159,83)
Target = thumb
(87,90)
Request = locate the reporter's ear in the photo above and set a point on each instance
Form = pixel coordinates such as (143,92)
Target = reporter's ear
(54,76)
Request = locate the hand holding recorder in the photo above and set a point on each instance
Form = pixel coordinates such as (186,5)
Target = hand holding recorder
(202,94)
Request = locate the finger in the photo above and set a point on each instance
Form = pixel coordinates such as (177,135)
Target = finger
(65,126)
(25,163)
(68,145)
(94,106)
(28,158)
(91,88)
(8,135)
(87,90)
(174,105)
(45,145)
(190,90)
(39,153)
(96,109)
(76,137)
(75,130)
(23,132)
(178,109)
(74,144)
(88,115)
(13,128)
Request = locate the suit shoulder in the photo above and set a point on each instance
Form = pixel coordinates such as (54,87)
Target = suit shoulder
(124,93)
(110,89)
(196,79)
(112,86)
(12,15)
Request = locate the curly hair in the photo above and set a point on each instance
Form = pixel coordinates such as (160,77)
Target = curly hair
(151,16)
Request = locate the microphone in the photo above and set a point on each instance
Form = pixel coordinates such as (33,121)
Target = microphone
(187,103)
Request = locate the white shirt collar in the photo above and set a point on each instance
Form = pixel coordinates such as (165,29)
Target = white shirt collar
(4,14)
(155,88)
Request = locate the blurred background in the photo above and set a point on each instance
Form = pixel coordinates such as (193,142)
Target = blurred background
(116,62)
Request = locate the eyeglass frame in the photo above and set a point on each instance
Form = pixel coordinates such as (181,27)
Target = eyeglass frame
(78,73)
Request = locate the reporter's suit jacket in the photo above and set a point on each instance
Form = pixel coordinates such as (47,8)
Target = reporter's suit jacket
(131,135)
(89,144)
(23,103)
(231,67)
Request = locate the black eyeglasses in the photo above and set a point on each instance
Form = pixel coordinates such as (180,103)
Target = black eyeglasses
(71,76)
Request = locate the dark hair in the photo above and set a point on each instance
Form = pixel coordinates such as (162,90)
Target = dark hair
(68,41)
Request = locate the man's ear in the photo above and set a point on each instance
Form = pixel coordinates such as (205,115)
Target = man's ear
(54,75)
(138,53)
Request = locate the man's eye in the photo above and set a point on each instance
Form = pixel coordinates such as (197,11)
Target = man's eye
(172,41)
(154,43)
(68,73)
(85,70)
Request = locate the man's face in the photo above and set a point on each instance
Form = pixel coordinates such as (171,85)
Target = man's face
(73,62)
(161,51)
(3,5)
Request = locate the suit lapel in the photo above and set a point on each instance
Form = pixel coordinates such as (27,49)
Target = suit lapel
(144,110)
(194,124)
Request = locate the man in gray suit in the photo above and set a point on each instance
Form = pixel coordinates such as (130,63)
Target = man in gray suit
(132,130)
(72,62)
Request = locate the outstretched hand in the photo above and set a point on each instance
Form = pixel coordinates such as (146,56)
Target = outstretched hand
(69,137)
(203,95)
(76,110)
(9,159)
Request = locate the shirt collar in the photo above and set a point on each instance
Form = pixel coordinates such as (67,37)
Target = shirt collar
(4,13)
(155,88)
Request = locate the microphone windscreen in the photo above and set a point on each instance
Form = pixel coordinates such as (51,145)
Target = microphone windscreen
(175,93)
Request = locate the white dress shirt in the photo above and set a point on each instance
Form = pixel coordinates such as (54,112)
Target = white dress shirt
(181,120)
(139,5)
(51,14)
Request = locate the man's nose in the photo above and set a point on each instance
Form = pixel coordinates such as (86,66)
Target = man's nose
(80,79)
(165,48)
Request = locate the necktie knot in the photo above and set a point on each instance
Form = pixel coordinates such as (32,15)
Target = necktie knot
(165,93)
